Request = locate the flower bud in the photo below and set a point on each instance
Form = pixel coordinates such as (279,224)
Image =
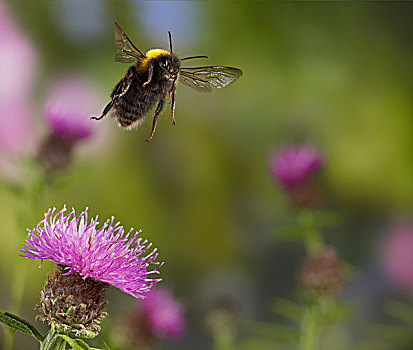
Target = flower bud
(321,273)
(223,321)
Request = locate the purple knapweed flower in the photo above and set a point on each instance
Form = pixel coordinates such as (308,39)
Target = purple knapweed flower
(163,314)
(293,166)
(17,71)
(17,58)
(397,255)
(105,254)
(70,105)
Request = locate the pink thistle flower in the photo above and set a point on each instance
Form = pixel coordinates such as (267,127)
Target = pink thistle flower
(397,255)
(14,127)
(71,103)
(105,254)
(293,166)
(17,59)
(17,70)
(163,314)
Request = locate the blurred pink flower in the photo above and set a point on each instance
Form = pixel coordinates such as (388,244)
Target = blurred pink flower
(397,255)
(70,105)
(17,58)
(14,128)
(163,314)
(17,70)
(293,166)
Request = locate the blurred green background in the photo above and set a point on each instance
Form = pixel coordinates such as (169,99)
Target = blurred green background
(335,74)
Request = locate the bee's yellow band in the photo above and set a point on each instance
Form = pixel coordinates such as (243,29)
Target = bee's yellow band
(149,55)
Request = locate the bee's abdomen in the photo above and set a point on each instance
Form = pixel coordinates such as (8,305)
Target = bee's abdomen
(136,103)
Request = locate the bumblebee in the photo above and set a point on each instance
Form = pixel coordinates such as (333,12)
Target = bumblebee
(152,78)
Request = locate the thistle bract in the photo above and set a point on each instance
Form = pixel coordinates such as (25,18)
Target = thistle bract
(321,274)
(73,304)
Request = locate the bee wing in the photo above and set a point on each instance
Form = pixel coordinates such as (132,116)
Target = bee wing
(203,79)
(126,52)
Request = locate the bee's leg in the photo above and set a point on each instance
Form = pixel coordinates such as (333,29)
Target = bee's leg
(124,91)
(124,84)
(120,90)
(105,111)
(172,98)
(155,118)
(150,73)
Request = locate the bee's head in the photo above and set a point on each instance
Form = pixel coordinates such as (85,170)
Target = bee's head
(169,65)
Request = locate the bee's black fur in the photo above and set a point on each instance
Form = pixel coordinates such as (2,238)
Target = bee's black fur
(138,100)
(153,77)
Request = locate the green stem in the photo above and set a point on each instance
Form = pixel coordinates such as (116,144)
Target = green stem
(312,236)
(309,335)
(33,196)
(53,341)
(309,328)
(8,337)
(223,341)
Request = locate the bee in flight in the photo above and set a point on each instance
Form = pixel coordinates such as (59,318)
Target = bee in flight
(153,77)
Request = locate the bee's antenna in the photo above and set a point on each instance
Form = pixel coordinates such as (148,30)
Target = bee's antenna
(170,40)
(191,57)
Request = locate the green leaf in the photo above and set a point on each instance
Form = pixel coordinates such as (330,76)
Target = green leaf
(327,219)
(393,334)
(14,188)
(289,309)
(401,311)
(77,344)
(254,343)
(288,233)
(277,332)
(18,323)
(373,345)
(332,311)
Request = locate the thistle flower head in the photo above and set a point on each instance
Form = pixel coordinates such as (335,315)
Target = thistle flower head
(293,166)
(70,105)
(163,314)
(17,58)
(159,315)
(397,255)
(105,254)
(17,71)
